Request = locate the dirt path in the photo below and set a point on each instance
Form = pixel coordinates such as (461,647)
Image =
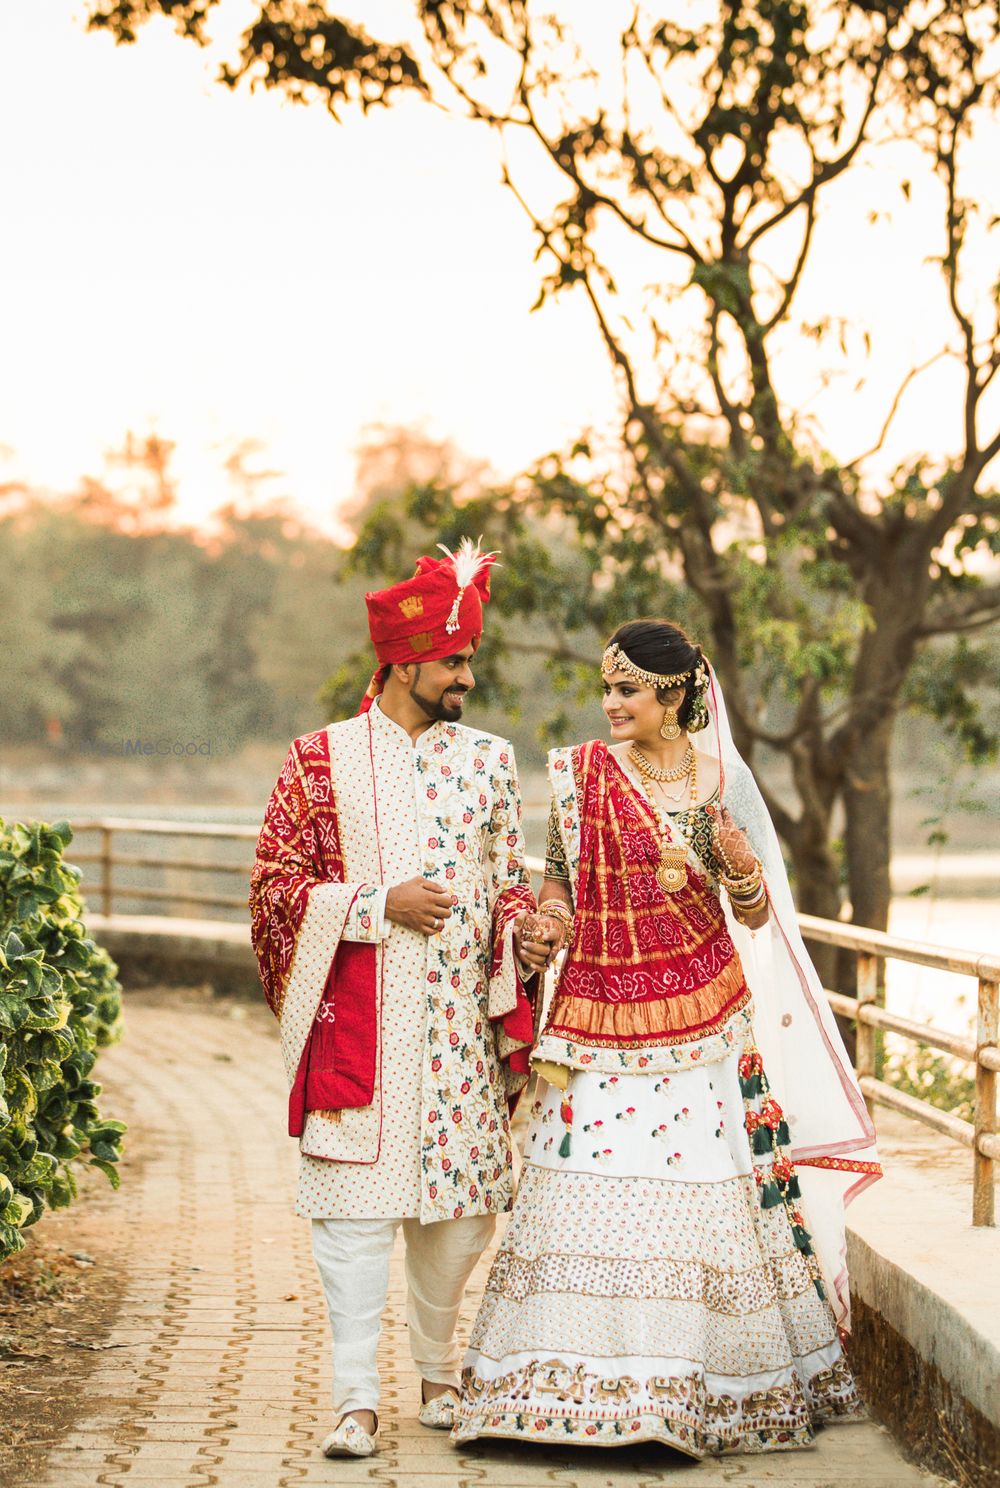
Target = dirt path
(211,1362)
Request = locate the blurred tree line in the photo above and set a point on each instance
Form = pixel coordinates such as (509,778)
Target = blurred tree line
(118,623)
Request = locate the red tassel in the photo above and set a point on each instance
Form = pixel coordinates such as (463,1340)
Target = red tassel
(566,1112)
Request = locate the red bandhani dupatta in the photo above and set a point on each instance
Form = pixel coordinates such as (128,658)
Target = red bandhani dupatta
(517,1027)
(646,967)
(298,857)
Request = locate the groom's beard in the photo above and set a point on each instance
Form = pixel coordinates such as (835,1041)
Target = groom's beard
(436,708)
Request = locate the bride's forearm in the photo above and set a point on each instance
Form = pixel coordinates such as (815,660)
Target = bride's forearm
(555,889)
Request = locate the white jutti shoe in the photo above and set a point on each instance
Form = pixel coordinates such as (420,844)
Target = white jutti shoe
(439,1413)
(350,1439)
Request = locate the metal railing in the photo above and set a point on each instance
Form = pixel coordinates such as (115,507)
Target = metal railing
(103,892)
(871,949)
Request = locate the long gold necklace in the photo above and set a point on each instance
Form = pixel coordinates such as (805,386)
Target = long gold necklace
(671,874)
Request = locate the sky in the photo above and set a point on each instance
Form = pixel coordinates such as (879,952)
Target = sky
(220,267)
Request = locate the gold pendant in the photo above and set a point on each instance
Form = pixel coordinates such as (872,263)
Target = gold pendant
(671,874)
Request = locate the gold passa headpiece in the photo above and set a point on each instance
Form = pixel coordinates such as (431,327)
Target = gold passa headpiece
(615,660)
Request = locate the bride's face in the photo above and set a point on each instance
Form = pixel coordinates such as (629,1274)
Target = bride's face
(634,712)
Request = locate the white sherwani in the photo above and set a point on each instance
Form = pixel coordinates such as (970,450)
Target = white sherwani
(435,1142)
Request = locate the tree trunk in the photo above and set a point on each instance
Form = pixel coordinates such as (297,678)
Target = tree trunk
(867,806)
(817,892)
(818,879)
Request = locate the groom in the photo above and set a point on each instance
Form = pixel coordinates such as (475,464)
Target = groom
(386,900)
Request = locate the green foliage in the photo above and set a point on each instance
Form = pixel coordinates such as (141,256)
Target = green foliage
(113,634)
(933,1077)
(60,1003)
(947,682)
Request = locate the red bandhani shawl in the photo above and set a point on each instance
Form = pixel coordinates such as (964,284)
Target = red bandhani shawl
(646,968)
(299,849)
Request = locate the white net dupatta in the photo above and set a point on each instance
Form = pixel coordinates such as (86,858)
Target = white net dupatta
(832,1134)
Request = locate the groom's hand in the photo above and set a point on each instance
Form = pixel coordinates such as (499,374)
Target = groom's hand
(419,904)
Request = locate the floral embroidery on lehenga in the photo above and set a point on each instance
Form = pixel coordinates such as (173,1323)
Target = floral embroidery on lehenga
(658,1239)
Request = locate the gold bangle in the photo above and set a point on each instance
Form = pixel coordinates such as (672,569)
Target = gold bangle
(746,885)
(747,891)
(555,907)
(747,906)
(742,909)
(557,911)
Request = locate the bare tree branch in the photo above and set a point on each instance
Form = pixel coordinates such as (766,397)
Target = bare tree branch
(969,611)
(827,172)
(913,373)
(567,163)
(796,274)
(988,452)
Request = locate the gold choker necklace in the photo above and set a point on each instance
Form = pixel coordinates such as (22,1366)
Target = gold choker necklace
(652,772)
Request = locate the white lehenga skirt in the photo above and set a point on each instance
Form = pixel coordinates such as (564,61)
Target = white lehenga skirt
(642,1291)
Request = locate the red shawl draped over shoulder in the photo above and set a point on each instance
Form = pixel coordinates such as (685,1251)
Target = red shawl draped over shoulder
(299,856)
(646,968)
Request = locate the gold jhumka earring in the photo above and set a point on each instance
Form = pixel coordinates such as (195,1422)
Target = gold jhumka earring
(670,728)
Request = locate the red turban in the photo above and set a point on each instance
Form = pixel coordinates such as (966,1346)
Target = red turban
(436,613)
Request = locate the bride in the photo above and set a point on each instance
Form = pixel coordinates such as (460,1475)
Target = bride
(673,1269)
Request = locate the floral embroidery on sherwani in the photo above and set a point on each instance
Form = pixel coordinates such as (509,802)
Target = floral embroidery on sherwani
(470,820)
(451,1022)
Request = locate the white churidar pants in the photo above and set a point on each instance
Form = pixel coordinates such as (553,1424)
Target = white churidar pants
(353,1258)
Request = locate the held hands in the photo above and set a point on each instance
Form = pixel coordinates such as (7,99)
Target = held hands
(538,939)
(424,906)
(419,904)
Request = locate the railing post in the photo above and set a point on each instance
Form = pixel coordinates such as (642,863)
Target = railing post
(864,1043)
(107,863)
(985,1118)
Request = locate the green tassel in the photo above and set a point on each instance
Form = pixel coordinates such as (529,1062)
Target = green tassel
(782,1136)
(819,1287)
(761,1141)
(793,1191)
(564,1144)
(750,1087)
(802,1239)
(770,1195)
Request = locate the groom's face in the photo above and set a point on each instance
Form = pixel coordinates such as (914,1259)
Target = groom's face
(438,687)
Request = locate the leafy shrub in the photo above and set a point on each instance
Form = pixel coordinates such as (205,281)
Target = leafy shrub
(60,1002)
(933,1077)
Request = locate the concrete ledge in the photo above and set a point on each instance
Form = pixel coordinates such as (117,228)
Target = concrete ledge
(928,1313)
(214,941)
(936,1427)
(150,949)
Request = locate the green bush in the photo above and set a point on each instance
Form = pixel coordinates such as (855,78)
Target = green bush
(60,1002)
(935,1078)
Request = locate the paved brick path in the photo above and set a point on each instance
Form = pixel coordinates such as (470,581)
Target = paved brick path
(219,1372)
